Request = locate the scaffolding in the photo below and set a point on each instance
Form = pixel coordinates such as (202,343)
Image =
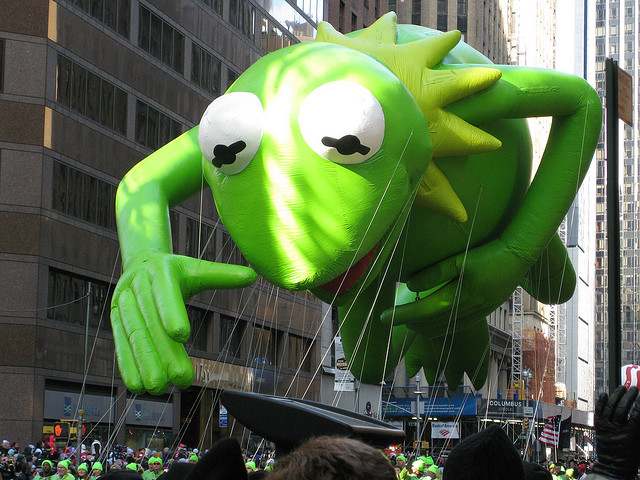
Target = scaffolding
(517,320)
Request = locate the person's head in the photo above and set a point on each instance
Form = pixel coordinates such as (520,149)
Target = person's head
(418,467)
(334,457)
(155,464)
(401,461)
(47,467)
(486,455)
(251,466)
(132,467)
(570,473)
(63,468)
(6,444)
(83,470)
(193,458)
(96,469)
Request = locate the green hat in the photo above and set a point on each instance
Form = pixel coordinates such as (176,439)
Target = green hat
(419,465)
(251,465)
(570,472)
(429,461)
(433,469)
(64,464)
(47,462)
(401,458)
(153,460)
(83,466)
(193,457)
(96,466)
(132,467)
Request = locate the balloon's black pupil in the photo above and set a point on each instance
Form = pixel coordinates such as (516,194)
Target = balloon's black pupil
(347,145)
(226,154)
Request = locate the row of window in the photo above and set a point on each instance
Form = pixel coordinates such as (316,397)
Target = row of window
(205,70)
(153,128)
(161,40)
(83,196)
(68,295)
(91,96)
(114,14)
(73,298)
(1,64)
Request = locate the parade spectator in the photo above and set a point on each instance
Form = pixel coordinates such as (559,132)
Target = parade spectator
(333,458)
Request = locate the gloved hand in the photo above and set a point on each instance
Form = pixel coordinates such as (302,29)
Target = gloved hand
(617,423)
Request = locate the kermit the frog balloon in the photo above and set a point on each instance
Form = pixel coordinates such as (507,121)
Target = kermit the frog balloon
(387,171)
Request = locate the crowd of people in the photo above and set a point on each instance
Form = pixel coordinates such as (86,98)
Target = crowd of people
(486,455)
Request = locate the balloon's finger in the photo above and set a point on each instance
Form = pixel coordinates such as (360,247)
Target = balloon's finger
(634,415)
(436,275)
(124,355)
(198,275)
(172,353)
(621,413)
(433,308)
(600,404)
(170,304)
(614,399)
(151,368)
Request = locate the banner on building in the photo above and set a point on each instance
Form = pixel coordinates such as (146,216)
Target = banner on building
(445,430)
(631,376)
(344,380)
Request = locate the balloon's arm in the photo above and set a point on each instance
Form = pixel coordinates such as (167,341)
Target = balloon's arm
(577,118)
(164,178)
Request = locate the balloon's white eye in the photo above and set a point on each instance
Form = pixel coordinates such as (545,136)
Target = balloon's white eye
(231,131)
(343,122)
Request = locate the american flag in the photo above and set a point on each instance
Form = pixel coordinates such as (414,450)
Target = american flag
(551,432)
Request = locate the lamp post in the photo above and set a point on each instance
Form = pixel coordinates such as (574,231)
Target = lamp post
(418,416)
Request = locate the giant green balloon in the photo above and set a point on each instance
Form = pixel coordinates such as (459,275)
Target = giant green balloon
(387,171)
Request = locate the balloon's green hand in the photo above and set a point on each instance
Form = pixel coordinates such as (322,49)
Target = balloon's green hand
(149,318)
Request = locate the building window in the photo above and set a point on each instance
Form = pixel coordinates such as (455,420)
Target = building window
(215,5)
(393,5)
(297,348)
(232,76)
(341,17)
(67,299)
(354,22)
(112,13)
(200,320)
(443,15)
(376,8)
(264,346)
(463,8)
(153,128)
(84,197)
(242,16)
(161,40)
(230,252)
(91,95)
(1,64)
(206,243)
(416,11)
(231,333)
(205,70)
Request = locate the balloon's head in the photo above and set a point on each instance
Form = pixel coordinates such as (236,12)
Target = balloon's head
(314,156)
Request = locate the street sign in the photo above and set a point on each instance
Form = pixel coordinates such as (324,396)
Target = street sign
(625,97)
(223,417)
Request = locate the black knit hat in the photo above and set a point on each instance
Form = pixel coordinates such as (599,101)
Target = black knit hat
(533,471)
(486,455)
(223,462)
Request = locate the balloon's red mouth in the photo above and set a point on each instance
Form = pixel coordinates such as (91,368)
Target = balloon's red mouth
(347,280)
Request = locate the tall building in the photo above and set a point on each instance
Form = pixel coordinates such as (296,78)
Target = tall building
(87,89)
(616,35)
